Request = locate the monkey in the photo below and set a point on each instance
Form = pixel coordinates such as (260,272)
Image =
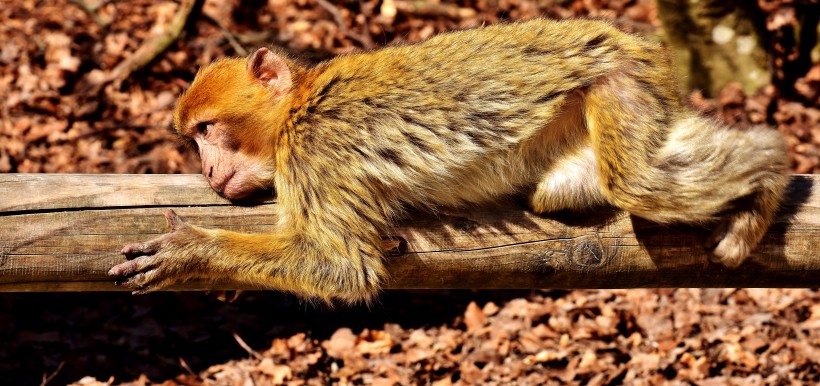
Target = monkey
(573,114)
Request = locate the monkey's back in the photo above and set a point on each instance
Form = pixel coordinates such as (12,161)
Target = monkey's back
(430,111)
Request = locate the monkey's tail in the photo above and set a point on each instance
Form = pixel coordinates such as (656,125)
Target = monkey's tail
(708,169)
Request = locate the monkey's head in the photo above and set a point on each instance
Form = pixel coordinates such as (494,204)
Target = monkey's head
(232,113)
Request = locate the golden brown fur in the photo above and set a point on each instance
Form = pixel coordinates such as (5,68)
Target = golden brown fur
(576,112)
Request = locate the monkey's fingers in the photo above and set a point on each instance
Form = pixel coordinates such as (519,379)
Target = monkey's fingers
(150,281)
(174,220)
(143,291)
(141,282)
(134,281)
(149,247)
(153,246)
(131,267)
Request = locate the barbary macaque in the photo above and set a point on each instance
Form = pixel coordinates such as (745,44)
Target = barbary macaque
(576,114)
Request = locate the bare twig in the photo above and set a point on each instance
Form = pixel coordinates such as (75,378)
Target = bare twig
(246,347)
(425,8)
(185,366)
(229,36)
(91,11)
(364,39)
(50,377)
(337,16)
(155,45)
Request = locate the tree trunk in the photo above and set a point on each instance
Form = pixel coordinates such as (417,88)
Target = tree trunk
(714,42)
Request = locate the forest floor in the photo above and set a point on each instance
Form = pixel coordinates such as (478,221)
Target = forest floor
(68,106)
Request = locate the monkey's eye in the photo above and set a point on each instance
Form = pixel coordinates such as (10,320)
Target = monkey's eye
(204,128)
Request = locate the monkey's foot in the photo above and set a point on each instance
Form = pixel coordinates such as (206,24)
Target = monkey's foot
(160,262)
(729,245)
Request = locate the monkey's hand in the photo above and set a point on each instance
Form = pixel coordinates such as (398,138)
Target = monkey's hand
(165,260)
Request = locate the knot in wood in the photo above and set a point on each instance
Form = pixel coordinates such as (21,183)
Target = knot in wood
(587,251)
(464,224)
(394,245)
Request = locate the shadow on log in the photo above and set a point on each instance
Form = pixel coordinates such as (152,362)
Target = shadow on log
(63,232)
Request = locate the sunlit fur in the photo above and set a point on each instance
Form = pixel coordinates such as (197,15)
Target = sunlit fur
(574,112)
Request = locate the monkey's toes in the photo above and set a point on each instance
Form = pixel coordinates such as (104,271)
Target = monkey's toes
(718,234)
(730,251)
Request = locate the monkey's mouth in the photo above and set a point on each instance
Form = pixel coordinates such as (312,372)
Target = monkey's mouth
(235,187)
(222,186)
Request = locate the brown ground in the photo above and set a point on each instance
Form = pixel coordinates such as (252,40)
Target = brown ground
(58,115)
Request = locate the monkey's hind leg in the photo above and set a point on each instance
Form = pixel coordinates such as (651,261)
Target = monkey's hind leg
(570,184)
(663,163)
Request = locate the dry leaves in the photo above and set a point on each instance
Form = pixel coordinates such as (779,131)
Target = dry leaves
(641,337)
(689,336)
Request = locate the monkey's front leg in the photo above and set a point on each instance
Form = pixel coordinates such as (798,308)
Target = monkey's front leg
(190,252)
(291,261)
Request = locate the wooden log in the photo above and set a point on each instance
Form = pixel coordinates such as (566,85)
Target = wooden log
(63,232)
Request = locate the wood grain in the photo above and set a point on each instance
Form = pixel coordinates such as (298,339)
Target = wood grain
(61,232)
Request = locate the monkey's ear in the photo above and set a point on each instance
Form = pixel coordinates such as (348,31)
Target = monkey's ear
(271,70)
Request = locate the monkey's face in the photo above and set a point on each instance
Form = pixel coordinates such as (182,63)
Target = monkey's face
(227,115)
(231,172)
(232,113)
